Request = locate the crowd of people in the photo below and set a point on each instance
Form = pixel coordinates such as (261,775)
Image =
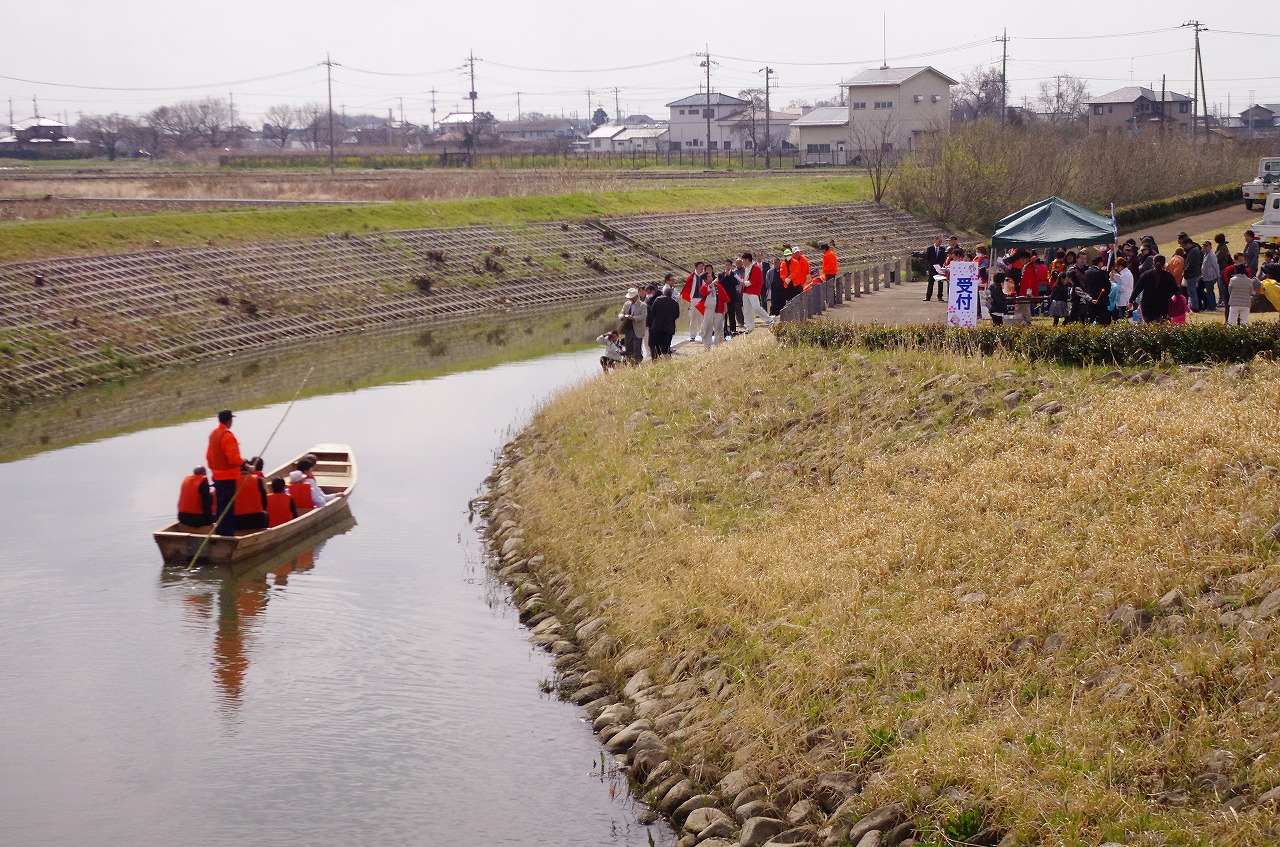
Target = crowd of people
(240,498)
(1138,282)
(720,305)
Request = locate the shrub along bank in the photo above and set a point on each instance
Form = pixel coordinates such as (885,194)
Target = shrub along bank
(1016,599)
(1119,344)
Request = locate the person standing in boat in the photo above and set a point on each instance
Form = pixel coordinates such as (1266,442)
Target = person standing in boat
(251,498)
(225,463)
(195,500)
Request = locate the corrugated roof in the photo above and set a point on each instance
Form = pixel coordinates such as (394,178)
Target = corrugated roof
(642,132)
(606,131)
(1130,93)
(824,116)
(717,99)
(893,76)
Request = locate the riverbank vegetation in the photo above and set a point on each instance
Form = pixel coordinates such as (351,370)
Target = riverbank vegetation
(47,238)
(1010,595)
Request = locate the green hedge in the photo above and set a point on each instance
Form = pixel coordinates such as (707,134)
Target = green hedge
(1170,207)
(1120,344)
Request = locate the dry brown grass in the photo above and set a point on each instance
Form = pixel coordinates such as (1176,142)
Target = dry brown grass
(841,589)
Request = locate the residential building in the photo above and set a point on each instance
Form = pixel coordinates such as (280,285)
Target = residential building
(624,138)
(546,129)
(601,139)
(688,122)
(1136,108)
(1260,119)
(895,108)
(822,136)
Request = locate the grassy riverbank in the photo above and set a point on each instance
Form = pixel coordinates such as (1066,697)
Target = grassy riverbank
(44,238)
(949,575)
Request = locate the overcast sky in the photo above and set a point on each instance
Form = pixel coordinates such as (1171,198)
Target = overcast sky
(132,55)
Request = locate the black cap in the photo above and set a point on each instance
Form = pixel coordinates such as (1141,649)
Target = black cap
(225,416)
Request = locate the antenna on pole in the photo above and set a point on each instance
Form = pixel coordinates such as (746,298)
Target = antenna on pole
(617,111)
(884,40)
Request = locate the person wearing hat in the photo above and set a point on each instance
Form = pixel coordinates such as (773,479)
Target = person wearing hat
(800,272)
(225,463)
(632,320)
(305,490)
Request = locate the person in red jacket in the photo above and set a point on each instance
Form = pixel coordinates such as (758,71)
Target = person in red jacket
(752,291)
(195,501)
(251,498)
(711,304)
(280,507)
(830,263)
(225,463)
(689,293)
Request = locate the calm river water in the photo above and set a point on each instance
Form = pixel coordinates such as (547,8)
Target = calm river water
(375,690)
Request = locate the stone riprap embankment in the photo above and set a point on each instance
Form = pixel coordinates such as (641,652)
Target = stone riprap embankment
(65,323)
(659,720)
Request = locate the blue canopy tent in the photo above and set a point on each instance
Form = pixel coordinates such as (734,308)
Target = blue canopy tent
(1053,222)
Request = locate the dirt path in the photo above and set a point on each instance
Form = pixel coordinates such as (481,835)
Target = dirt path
(1232,221)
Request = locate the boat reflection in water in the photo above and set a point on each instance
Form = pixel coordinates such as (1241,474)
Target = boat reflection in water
(240,593)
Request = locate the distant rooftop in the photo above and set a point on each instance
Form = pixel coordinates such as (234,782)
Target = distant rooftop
(893,76)
(717,99)
(1130,93)
(824,116)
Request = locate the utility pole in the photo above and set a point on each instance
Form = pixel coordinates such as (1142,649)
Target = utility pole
(35,107)
(1197,81)
(768,137)
(329,63)
(1162,84)
(617,112)
(475,136)
(1004,78)
(433,93)
(706,63)
(517,107)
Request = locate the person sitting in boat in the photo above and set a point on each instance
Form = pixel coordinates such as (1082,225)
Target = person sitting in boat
(195,500)
(251,497)
(305,490)
(280,507)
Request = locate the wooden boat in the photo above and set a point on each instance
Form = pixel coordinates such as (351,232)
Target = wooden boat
(335,472)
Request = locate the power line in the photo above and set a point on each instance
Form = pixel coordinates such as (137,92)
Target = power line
(588,70)
(160,88)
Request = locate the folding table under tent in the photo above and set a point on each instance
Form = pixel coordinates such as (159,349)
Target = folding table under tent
(1053,222)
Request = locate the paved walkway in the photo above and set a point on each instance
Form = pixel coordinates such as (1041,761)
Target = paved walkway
(901,304)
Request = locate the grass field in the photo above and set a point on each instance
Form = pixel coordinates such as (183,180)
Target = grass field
(950,586)
(36,239)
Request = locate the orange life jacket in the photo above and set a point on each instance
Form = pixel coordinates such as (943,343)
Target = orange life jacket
(249,495)
(189,499)
(830,264)
(223,455)
(799,269)
(301,494)
(279,508)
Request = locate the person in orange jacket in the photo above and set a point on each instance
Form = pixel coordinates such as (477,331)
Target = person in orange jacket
(830,263)
(195,501)
(251,498)
(280,507)
(801,270)
(225,463)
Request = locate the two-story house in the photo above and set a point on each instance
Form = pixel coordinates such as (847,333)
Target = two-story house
(1136,108)
(895,108)
(687,125)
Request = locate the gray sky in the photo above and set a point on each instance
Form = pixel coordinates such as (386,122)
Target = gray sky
(268,51)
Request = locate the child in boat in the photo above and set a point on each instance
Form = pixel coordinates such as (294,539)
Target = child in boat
(195,500)
(280,507)
(251,497)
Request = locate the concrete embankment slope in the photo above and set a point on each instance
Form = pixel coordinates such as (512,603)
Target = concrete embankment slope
(70,322)
(815,594)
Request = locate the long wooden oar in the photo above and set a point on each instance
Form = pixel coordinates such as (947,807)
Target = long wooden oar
(204,542)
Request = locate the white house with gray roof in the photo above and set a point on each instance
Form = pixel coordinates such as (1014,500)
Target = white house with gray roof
(897,107)
(822,136)
(687,125)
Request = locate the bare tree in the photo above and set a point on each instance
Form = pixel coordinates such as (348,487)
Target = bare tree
(873,141)
(978,96)
(111,133)
(1063,99)
(280,122)
(168,125)
(752,128)
(210,119)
